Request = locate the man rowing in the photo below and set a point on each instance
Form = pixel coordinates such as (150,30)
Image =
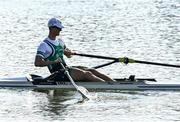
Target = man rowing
(50,53)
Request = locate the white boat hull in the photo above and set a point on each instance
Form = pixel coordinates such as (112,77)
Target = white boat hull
(27,82)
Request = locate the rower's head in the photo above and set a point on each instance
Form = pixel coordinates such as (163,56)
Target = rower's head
(55,26)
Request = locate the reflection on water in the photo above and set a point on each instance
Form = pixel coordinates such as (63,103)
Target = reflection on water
(37,104)
(57,103)
(49,105)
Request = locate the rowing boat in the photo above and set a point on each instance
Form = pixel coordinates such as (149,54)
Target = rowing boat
(38,82)
(131,83)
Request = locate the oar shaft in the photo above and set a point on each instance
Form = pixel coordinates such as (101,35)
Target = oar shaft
(125,60)
(155,63)
(96,56)
(78,88)
(106,64)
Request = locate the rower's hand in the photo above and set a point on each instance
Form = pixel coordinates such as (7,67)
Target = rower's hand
(68,53)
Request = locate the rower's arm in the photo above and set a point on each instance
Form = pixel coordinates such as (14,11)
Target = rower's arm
(40,62)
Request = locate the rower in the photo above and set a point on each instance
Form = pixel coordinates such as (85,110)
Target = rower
(50,53)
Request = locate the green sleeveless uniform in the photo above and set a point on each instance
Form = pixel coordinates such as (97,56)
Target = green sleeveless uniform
(57,53)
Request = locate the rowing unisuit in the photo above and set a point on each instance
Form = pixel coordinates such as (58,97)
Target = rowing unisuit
(51,50)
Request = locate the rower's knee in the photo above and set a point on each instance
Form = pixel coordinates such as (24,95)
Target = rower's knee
(94,71)
(87,74)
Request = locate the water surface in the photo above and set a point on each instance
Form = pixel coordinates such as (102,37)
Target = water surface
(140,29)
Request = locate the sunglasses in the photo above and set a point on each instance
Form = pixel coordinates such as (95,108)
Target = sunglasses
(57,28)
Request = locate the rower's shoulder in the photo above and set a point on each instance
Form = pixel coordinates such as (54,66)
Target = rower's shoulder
(42,45)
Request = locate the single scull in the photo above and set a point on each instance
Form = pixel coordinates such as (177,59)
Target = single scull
(38,82)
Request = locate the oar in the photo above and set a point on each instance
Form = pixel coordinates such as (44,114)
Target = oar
(155,63)
(82,90)
(127,60)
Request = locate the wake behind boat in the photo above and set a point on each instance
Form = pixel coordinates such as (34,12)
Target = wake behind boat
(37,82)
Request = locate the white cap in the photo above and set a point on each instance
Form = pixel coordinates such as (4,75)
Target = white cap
(54,22)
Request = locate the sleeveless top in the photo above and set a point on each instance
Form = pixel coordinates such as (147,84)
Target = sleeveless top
(56,53)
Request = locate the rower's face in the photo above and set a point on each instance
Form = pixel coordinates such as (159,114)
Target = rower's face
(57,31)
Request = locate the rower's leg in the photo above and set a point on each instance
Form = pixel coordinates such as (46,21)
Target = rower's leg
(96,73)
(100,75)
(82,75)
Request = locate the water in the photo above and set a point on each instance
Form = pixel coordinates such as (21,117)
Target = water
(140,29)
